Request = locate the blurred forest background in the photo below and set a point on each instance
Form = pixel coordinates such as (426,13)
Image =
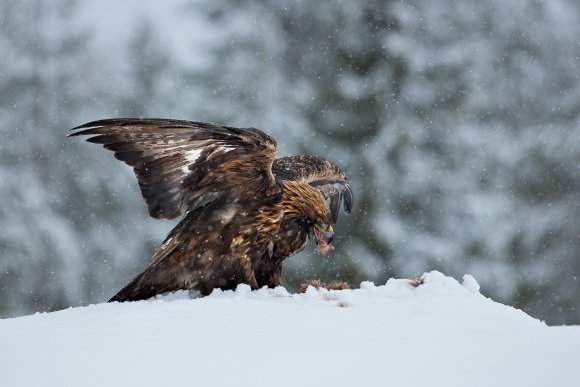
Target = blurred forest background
(458,123)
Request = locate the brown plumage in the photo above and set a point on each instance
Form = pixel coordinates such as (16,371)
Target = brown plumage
(244,211)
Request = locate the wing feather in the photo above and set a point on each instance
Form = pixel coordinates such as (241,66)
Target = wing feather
(181,165)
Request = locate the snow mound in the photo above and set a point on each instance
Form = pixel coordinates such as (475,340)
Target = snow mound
(438,333)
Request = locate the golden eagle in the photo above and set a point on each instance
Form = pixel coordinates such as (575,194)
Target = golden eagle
(245,211)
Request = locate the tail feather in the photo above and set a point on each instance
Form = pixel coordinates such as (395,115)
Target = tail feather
(147,283)
(133,292)
(141,287)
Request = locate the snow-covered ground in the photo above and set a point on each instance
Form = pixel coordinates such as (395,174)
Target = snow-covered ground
(441,333)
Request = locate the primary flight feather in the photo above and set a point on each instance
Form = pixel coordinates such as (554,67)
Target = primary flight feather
(244,211)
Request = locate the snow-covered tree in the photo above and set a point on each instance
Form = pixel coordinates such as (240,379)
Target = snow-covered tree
(72,229)
(457,122)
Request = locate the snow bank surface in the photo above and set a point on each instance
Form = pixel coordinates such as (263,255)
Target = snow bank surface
(441,333)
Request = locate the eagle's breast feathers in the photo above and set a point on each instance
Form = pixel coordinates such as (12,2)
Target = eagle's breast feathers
(244,211)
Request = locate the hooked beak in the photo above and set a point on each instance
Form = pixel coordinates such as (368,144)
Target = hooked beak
(322,231)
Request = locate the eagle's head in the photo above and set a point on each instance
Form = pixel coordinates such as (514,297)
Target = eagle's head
(306,206)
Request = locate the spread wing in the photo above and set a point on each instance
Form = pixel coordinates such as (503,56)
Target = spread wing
(183,165)
(321,174)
